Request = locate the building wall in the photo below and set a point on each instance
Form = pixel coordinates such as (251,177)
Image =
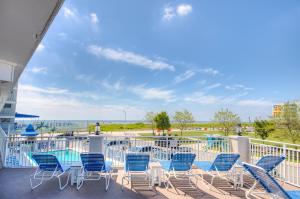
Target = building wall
(278,108)
(7,113)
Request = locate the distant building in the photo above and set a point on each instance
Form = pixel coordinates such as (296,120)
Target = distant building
(278,108)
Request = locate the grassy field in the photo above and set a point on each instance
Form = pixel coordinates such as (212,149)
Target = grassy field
(278,136)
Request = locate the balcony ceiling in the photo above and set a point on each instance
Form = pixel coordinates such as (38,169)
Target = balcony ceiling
(22,26)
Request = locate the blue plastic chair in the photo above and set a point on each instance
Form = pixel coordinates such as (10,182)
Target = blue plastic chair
(180,164)
(48,167)
(268,183)
(94,167)
(222,164)
(136,164)
(269,162)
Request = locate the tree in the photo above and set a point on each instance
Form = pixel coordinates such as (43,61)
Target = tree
(150,118)
(227,120)
(40,127)
(183,119)
(263,128)
(91,128)
(290,120)
(52,131)
(162,121)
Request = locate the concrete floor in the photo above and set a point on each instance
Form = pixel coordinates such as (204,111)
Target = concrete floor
(14,184)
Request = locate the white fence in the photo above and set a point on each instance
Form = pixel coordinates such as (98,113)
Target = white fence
(16,151)
(289,170)
(68,149)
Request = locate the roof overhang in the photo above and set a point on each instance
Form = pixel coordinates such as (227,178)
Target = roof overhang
(23,24)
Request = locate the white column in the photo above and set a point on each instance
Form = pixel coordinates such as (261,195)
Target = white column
(96,143)
(241,145)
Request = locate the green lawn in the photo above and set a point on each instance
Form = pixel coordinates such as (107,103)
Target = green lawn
(279,135)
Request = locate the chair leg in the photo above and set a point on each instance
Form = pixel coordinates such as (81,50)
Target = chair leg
(31,178)
(59,180)
(248,193)
(80,181)
(107,180)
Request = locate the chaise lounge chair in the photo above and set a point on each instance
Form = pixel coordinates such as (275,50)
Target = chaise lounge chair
(48,167)
(94,167)
(180,164)
(136,164)
(268,183)
(221,166)
(269,162)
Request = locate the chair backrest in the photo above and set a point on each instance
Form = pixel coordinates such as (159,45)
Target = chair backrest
(224,161)
(182,161)
(266,180)
(136,162)
(269,162)
(93,161)
(47,162)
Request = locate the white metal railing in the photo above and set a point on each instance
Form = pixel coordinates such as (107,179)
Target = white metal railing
(289,170)
(162,147)
(3,139)
(68,149)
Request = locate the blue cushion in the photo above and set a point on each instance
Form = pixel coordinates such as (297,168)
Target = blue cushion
(294,194)
(108,165)
(165,164)
(65,167)
(203,165)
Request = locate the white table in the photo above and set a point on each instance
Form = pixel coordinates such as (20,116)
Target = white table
(156,173)
(75,171)
(238,176)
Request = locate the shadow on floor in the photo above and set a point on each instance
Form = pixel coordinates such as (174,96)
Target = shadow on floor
(192,190)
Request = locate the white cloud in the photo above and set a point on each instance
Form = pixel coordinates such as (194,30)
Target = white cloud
(40,47)
(238,86)
(184,9)
(209,71)
(38,70)
(94,21)
(171,12)
(202,98)
(185,76)
(94,18)
(255,103)
(212,86)
(116,86)
(57,103)
(48,90)
(129,57)
(69,13)
(62,34)
(153,93)
(168,13)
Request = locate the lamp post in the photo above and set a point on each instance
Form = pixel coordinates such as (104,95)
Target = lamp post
(125,115)
(239,129)
(97,128)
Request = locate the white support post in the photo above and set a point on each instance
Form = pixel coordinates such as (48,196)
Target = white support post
(96,144)
(241,145)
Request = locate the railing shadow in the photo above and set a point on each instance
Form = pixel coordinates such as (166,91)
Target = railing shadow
(192,190)
(226,188)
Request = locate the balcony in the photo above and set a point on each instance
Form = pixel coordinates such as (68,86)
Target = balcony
(14,178)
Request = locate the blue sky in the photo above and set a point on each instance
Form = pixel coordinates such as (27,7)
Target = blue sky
(102,57)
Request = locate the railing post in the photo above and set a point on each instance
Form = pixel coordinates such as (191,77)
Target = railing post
(96,143)
(284,161)
(241,145)
(198,148)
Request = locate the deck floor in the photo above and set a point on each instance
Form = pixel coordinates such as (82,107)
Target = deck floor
(14,184)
